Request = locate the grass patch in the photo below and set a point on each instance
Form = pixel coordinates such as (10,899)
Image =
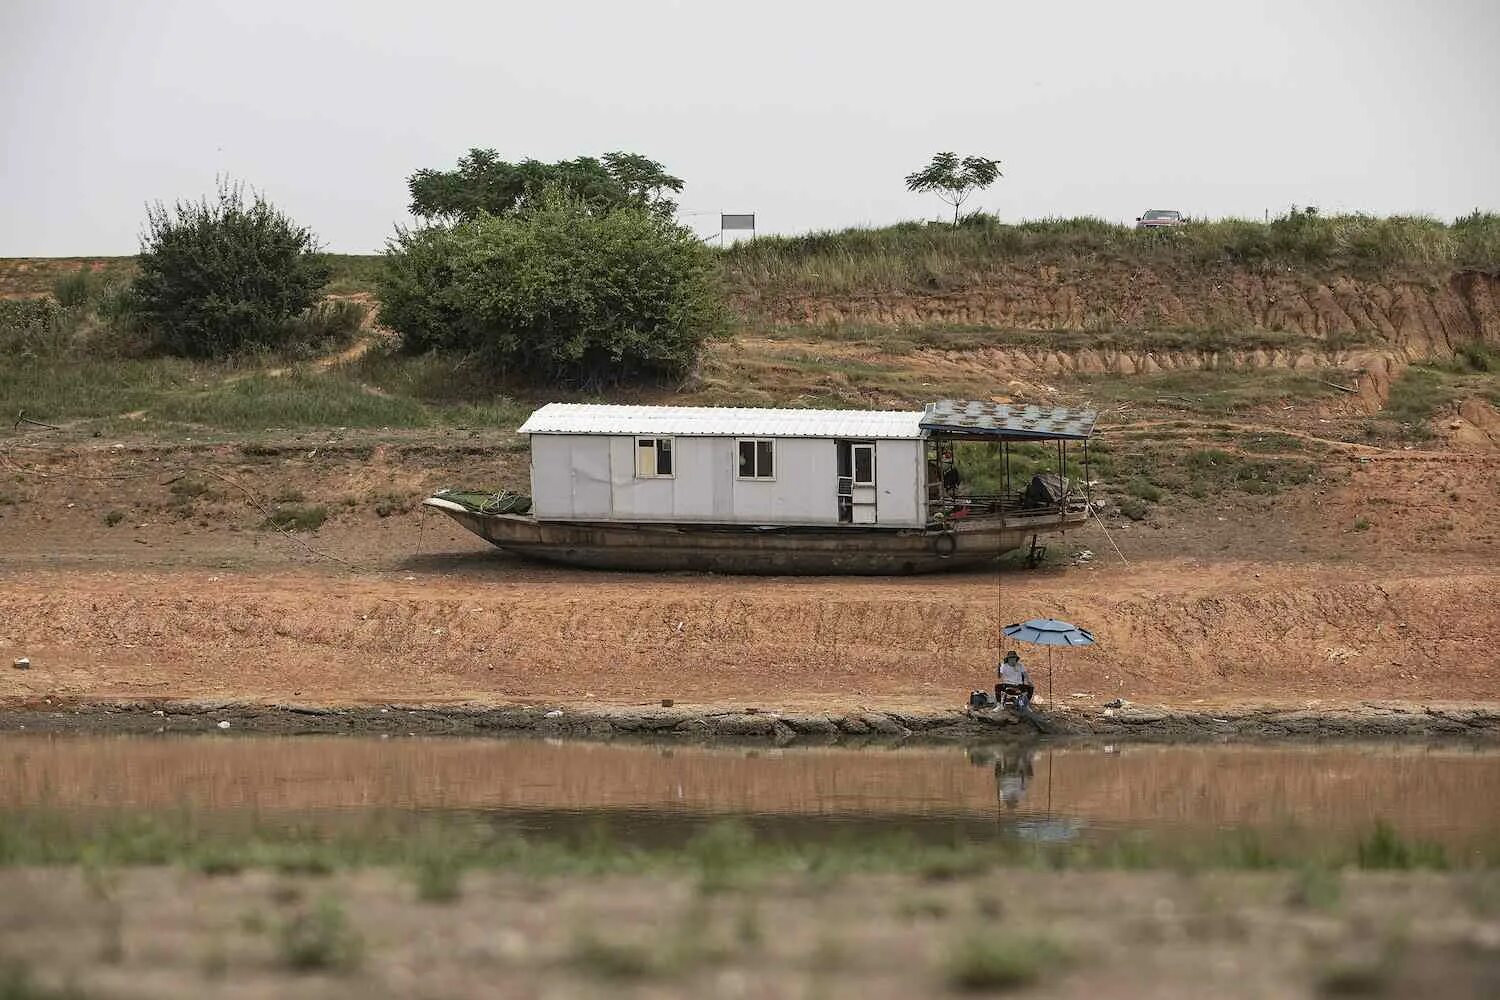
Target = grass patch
(1425,392)
(998,961)
(1205,392)
(1151,470)
(1316,887)
(352,273)
(240,397)
(299,399)
(1354,978)
(296,517)
(722,856)
(189,487)
(914,256)
(318,939)
(113,517)
(1385,849)
(348,273)
(612,960)
(390,504)
(18,983)
(438,877)
(910,338)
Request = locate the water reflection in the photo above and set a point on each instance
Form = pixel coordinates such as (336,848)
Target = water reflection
(659,793)
(1015,772)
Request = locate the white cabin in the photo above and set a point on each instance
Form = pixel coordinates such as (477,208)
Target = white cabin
(728,465)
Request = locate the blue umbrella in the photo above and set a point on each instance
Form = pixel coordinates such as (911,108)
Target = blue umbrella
(1049,632)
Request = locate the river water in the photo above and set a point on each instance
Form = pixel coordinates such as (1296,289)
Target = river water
(655,794)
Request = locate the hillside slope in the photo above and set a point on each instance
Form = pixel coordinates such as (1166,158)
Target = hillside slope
(1417,317)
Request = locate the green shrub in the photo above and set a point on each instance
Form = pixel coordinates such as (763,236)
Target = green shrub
(36,327)
(1134,508)
(438,876)
(1354,979)
(1144,490)
(189,487)
(1385,848)
(612,959)
(1316,887)
(1477,239)
(1475,357)
(16,983)
(721,853)
(74,289)
(320,938)
(389,504)
(223,276)
(296,517)
(992,962)
(556,292)
(330,323)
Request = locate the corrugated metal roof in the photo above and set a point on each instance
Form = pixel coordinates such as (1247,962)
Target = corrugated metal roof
(722,421)
(1003,420)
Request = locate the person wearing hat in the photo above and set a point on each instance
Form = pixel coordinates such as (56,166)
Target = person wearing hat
(1013,677)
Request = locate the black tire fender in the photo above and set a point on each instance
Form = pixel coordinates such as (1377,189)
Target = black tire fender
(944,544)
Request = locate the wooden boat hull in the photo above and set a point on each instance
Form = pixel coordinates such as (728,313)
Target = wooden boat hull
(771,550)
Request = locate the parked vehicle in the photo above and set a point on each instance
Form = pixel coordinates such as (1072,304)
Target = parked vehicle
(1160,218)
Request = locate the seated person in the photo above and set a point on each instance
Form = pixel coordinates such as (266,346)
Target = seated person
(1013,678)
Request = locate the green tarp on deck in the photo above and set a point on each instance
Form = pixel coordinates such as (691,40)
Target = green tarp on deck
(488,502)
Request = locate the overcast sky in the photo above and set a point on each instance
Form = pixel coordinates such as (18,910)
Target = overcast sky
(806,113)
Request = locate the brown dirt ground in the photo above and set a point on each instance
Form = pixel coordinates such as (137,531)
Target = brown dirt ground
(1231,600)
(165,932)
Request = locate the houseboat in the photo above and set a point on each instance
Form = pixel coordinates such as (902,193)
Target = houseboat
(782,491)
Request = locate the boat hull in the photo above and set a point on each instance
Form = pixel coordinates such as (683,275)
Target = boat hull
(842,550)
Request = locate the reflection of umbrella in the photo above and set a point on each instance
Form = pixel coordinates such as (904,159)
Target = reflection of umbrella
(1049,632)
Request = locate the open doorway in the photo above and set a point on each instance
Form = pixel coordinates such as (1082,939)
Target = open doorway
(856,482)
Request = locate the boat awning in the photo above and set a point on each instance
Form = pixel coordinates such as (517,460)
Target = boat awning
(1004,421)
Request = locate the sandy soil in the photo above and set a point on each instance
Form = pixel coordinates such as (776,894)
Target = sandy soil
(168,933)
(1248,599)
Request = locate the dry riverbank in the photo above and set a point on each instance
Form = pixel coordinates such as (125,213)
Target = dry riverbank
(700,723)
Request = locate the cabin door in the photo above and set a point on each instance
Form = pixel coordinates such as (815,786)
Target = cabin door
(856,482)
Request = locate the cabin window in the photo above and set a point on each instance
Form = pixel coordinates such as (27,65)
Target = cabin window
(757,459)
(864,464)
(653,458)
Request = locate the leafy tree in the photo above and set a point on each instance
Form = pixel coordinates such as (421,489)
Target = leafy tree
(557,291)
(216,277)
(643,179)
(954,180)
(483,182)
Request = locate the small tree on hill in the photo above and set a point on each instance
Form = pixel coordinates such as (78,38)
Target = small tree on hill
(954,180)
(221,276)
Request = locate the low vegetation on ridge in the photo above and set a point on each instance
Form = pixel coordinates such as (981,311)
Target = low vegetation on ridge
(916,256)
